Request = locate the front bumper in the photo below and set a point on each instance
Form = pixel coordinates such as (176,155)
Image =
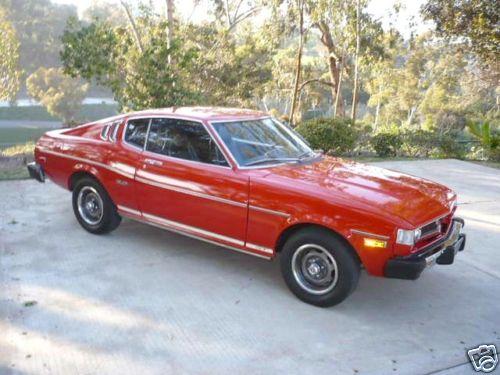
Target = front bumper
(440,252)
(36,171)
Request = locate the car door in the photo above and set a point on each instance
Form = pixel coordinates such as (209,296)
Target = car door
(126,143)
(185,183)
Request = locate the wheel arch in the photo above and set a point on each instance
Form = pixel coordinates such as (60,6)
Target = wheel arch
(291,230)
(78,175)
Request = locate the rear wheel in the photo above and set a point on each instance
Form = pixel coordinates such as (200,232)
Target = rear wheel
(319,267)
(94,209)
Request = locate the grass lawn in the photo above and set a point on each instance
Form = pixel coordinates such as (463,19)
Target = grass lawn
(10,136)
(18,173)
(89,112)
(12,160)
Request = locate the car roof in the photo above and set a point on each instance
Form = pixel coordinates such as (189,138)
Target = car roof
(202,113)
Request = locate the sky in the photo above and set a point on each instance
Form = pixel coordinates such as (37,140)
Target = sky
(380,9)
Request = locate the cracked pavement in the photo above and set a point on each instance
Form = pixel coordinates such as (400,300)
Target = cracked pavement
(143,300)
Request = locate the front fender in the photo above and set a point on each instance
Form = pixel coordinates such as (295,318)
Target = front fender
(353,227)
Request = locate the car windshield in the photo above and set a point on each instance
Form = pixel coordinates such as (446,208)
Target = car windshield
(262,142)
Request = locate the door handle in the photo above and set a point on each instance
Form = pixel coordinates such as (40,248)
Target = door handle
(153,162)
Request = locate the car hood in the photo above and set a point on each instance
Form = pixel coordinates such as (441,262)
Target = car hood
(411,199)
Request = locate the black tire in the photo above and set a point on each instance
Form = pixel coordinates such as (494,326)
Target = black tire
(106,219)
(308,254)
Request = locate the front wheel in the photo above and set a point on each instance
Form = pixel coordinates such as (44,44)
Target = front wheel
(318,267)
(94,209)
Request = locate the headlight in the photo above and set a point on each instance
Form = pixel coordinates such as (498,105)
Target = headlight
(408,237)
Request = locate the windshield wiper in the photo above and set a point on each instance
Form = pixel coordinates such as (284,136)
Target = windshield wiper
(269,160)
(305,155)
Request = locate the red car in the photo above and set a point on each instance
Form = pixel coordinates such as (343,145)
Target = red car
(243,180)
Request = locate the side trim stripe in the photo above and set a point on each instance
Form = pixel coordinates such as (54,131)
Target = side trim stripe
(96,163)
(259,248)
(180,228)
(267,210)
(370,234)
(189,228)
(160,224)
(129,210)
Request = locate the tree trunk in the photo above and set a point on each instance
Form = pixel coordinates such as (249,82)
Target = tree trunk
(170,21)
(133,26)
(338,94)
(411,113)
(334,79)
(170,28)
(298,66)
(377,114)
(327,40)
(356,64)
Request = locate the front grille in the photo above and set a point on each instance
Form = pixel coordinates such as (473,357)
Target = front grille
(431,229)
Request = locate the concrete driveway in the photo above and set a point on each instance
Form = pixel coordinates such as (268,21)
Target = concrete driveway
(146,301)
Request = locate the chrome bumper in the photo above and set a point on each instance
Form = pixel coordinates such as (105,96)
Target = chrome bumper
(453,243)
(36,171)
(442,252)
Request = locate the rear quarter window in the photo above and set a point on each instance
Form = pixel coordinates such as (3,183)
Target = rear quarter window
(136,132)
(105,132)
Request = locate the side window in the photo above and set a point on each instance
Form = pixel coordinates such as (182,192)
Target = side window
(136,132)
(184,140)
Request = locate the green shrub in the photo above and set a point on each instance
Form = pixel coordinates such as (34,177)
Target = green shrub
(449,147)
(386,143)
(494,152)
(365,132)
(336,136)
(419,143)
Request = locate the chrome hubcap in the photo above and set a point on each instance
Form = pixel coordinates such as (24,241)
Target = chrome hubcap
(314,269)
(90,205)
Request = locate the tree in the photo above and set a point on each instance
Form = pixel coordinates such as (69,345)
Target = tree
(103,10)
(134,66)
(475,20)
(233,12)
(9,63)
(143,69)
(428,83)
(384,76)
(335,23)
(300,5)
(39,25)
(355,91)
(61,95)
(230,68)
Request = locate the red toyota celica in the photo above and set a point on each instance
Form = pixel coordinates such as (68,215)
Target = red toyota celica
(242,180)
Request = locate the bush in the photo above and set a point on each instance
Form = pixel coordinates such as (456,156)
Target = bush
(336,136)
(450,148)
(423,143)
(494,152)
(386,143)
(418,143)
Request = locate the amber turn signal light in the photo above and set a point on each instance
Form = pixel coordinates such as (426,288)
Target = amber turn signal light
(371,242)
